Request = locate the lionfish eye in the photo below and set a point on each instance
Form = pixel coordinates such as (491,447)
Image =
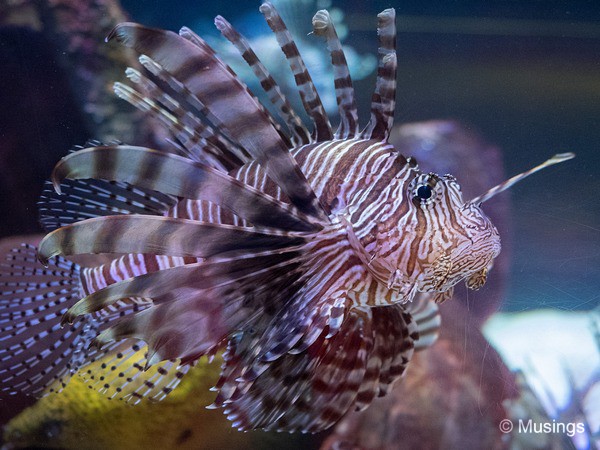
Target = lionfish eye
(424,192)
(422,188)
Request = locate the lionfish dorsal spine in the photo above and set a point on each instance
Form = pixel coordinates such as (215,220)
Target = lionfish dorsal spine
(344,90)
(189,135)
(220,135)
(300,135)
(217,88)
(308,93)
(198,139)
(189,35)
(384,97)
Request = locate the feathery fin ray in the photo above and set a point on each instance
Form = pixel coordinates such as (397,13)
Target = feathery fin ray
(158,235)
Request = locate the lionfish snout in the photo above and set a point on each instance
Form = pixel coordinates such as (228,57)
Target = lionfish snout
(484,246)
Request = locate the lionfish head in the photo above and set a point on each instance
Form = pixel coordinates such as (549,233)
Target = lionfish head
(459,241)
(432,238)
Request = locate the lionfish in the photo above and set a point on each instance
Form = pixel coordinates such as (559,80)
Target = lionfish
(313,260)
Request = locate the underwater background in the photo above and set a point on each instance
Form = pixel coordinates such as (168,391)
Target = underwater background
(523,76)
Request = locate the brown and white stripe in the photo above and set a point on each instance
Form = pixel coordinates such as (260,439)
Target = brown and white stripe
(316,266)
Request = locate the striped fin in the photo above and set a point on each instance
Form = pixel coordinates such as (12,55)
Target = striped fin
(297,326)
(384,97)
(189,102)
(192,316)
(191,136)
(344,91)
(426,314)
(84,199)
(158,235)
(312,390)
(165,285)
(35,352)
(308,93)
(125,267)
(393,338)
(175,175)
(217,88)
(189,35)
(300,134)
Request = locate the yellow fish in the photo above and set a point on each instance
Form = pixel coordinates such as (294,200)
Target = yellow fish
(80,417)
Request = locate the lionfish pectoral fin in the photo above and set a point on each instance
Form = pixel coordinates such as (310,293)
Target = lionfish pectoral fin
(160,236)
(426,315)
(85,199)
(195,306)
(32,301)
(37,354)
(310,391)
(296,327)
(225,273)
(178,176)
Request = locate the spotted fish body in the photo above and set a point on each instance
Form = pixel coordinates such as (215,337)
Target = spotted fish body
(314,259)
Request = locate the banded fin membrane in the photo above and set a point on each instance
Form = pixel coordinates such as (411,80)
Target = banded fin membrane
(312,390)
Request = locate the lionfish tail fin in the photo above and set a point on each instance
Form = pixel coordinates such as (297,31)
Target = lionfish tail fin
(36,353)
